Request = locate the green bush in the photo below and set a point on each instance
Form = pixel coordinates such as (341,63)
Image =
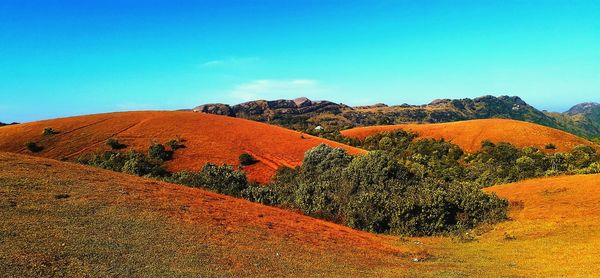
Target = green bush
(175,144)
(221,179)
(33,147)
(114,144)
(550,146)
(158,151)
(134,163)
(247,159)
(49,131)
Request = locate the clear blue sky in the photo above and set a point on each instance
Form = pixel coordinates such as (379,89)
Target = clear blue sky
(60,58)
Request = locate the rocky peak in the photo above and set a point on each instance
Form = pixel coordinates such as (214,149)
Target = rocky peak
(583,108)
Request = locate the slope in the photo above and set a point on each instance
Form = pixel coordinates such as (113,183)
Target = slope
(469,134)
(208,138)
(64,219)
(554,231)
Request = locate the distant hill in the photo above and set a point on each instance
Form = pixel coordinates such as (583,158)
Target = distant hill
(305,115)
(5,124)
(583,119)
(208,138)
(469,134)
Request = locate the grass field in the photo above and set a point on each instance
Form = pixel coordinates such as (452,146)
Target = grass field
(64,219)
(469,134)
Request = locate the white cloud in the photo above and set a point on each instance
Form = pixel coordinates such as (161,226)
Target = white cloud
(230,61)
(278,89)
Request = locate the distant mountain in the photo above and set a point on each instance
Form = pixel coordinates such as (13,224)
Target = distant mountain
(288,113)
(3,124)
(305,115)
(582,119)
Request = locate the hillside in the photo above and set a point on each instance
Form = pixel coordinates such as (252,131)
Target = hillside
(304,115)
(469,134)
(583,118)
(64,219)
(208,138)
(553,231)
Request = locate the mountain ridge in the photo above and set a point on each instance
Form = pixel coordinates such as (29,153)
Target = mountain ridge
(305,115)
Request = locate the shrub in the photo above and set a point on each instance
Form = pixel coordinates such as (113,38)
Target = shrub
(221,179)
(33,147)
(158,151)
(175,144)
(115,144)
(550,146)
(49,131)
(134,163)
(247,159)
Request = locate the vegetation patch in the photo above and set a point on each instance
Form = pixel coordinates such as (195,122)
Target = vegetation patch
(33,147)
(247,159)
(114,144)
(49,131)
(403,185)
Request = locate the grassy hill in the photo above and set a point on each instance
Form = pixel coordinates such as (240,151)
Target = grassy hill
(469,134)
(208,138)
(63,219)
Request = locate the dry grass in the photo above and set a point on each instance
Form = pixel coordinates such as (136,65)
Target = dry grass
(554,231)
(209,138)
(62,219)
(469,134)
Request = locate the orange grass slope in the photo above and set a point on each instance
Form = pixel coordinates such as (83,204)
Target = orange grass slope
(553,231)
(66,219)
(469,134)
(209,138)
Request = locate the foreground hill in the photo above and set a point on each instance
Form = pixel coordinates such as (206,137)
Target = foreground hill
(63,219)
(303,114)
(469,134)
(554,230)
(208,138)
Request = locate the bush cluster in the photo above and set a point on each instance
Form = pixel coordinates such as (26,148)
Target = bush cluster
(131,162)
(221,179)
(378,193)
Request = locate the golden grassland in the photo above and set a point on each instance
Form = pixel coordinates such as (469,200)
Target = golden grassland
(64,219)
(469,134)
(209,138)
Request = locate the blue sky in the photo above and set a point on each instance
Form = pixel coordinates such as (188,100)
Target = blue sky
(61,58)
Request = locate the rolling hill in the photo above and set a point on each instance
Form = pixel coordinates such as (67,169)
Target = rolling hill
(469,134)
(208,138)
(64,219)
